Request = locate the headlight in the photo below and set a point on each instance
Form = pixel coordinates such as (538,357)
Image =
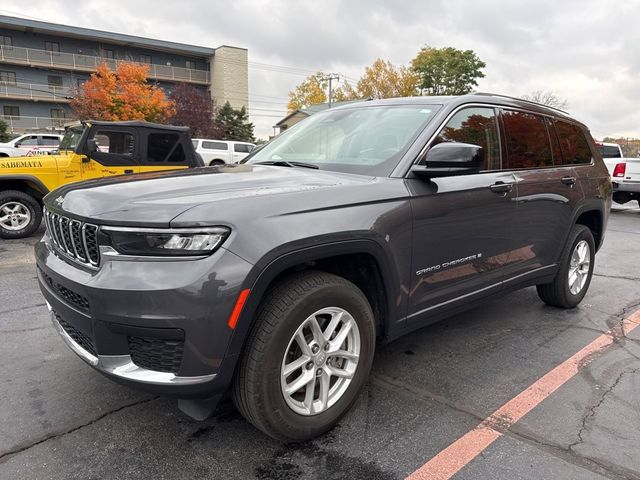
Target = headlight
(166,242)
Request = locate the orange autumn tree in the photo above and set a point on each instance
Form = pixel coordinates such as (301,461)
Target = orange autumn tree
(121,95)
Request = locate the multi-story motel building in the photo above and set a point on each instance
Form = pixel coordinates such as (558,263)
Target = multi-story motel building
(42,63)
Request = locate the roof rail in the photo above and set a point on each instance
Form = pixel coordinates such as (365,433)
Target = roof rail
(488,94)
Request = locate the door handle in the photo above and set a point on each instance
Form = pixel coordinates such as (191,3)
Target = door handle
(501,187)
(128,172)
(568,180)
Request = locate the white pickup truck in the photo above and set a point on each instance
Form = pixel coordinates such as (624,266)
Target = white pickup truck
(625,173)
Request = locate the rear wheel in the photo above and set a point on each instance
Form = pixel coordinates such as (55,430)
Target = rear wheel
(20,214)
(307,358)
(622,197)
(572,281)
(216,163)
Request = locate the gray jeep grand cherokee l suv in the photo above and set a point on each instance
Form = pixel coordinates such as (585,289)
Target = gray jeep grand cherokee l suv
(273,279)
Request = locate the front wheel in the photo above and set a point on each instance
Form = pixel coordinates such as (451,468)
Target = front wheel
(307,358)
(20,214)
(572,281)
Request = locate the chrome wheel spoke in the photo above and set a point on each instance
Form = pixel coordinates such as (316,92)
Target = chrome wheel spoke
(303,380)
(325,386)
(316,330)
(342,334)
(289,368)
(302,343)
(309,395)
(340,372)
(344,354)
(331,328)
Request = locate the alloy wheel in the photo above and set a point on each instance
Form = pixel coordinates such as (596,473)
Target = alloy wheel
(14,215)
(579,267)
(320,361)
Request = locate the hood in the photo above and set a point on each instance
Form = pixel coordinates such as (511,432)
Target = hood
(155,199)
(23,164)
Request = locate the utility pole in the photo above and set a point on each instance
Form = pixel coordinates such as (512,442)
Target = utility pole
(330,77)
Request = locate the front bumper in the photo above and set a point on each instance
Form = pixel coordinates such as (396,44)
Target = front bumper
(159,326)
(123,366)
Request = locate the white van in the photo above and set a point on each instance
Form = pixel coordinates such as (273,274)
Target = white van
(219,152)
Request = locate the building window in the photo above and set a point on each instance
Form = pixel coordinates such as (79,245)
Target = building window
(6,42)
(53,47)
(7,78)
(54,80)
(10,111)
(58,113)
(190,64)
(80,82)
(108,54)
(145,58)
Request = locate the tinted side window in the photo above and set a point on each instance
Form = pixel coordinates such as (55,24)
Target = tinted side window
(476,126)
(215,145)
(575,147)
(241,148)
(50,141)
(164,147)
(114,147)
(610,152)
(527,141)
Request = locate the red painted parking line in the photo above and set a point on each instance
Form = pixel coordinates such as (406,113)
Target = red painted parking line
(453,458)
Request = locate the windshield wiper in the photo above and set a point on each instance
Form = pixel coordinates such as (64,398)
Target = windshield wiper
(285,163)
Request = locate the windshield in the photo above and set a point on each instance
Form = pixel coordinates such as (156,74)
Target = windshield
(71,138)
(365,140)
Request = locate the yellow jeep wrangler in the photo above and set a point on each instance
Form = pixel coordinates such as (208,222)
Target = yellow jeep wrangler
(88,150)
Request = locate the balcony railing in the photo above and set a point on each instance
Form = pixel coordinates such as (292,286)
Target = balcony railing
(34,91)
(23,124)
(88,63)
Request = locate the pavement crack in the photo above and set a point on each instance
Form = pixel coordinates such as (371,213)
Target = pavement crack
(515,431)
(591,412)
(617,277)
(10,453)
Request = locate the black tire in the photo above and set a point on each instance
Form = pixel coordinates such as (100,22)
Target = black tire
(622,197)
(257,392)
(557,293)
(29,203)
(216,163)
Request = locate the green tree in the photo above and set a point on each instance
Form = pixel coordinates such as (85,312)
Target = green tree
(447,71)
(310,92)
(235,123)
(4,135)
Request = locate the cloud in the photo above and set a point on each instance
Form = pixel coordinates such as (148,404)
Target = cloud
(585,51)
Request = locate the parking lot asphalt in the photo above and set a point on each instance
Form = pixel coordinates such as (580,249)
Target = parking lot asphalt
(61,420)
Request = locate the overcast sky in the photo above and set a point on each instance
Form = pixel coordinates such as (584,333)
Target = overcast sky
(587,52)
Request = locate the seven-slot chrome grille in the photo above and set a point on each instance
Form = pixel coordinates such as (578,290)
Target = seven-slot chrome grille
(74,238)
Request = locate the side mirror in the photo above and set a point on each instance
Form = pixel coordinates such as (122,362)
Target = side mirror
(449,159)
(92,147)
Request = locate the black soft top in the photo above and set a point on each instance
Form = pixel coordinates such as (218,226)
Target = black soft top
(137,124)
